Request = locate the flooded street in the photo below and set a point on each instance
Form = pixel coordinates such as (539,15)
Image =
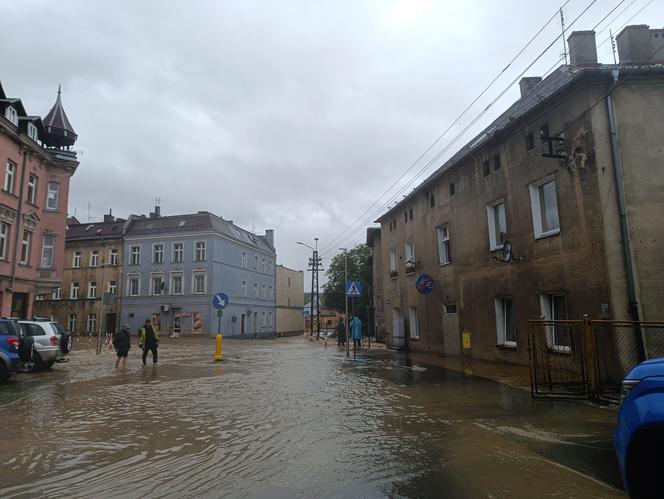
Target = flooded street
(289,418)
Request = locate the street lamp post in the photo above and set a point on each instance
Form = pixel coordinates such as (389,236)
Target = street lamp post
(345,250)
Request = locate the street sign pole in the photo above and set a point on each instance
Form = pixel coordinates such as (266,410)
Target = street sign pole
(425,285)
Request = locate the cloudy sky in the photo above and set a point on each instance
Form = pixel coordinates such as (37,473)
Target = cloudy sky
(291,115)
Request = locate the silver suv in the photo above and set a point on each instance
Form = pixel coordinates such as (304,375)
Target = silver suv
(51,343)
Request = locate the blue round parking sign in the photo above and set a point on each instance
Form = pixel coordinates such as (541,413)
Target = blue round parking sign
(424,284)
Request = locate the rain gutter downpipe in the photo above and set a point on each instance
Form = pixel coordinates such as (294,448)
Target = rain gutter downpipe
(622,213)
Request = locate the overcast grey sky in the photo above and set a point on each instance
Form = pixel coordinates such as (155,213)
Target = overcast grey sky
(291,115)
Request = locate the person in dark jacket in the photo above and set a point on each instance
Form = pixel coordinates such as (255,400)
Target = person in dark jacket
(341,334)
(122,344)
(149,341)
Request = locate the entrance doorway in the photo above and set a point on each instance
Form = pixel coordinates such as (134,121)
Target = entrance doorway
(111,323)
(243,321)
(20,305)
(255,324)
(451,336)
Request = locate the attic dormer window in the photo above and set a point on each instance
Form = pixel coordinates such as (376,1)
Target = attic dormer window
(11,115)
(32,132)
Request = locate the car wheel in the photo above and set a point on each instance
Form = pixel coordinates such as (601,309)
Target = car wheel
(66,343)
(4,373)
(28,366)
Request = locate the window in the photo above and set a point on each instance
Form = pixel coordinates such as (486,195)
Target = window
(92,289)
(393,263)
(94,258)
(56,294)
(269,267)
(444,254)
(289,282)
(4,240)
(545,208)
(496,162)
(178,252)
(414,323)
(262,319)
(505,321)
(10,175)
(269,292)
(255,263)
(244,259)
(113,257)
(255,290)
(135,253)
(497,224)
(530,142)
(410,258)
(134,286)
(269,319)
(554,308)
(52,196)
(486,168)
(263,266)
(76,260)
(157,253)
(47,252)
(112,287)
(200,283)
(405,217)
(243,290)
(157,285)
(73,292)
(263,291)
(451,188)
(450,308)
(177,281)
(432,200)
(11,115)
(71,323)
(92,323)
(200,251)
(410,214)
(25,247)
(32,132)
(32,188)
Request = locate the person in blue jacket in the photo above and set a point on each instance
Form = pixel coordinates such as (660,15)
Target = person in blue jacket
(355,326)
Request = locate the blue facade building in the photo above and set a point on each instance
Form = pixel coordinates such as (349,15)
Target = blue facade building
(174,265)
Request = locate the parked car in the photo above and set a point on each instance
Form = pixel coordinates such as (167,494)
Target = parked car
(14,348)
(639,434)
(51,343)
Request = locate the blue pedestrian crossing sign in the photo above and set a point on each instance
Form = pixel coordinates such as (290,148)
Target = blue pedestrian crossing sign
(353,289)
(220,300)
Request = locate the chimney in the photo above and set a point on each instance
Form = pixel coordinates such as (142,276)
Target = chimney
(269,235)
(527,83)
(637,44)
(582,48)
(157,211)
(109,217)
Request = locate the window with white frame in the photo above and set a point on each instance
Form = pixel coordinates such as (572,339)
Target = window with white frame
(505,321)
(256,263)
(178,252)
(200,251)
(56,294)
(414,323)
(263,268)
(263,291)
(113,257)
(53,196)
(73,291)
(94,258)
(158,253)
(255,290)
(200,282)
(32,188)
(10,176)
(76,260)
(112,287)
(497,224)
(243,289)
(92,289)
(269,319)
(91,325)
(393,262)
(48,244)
(71,323)
(269,292)
(4,240)
(25,247)
(263,319)
(444,254)
(33,133)
(135,255)
(156,284)
(11,115)
(134,285)
(554,308)
(177,283)
(244,259)
(544,206)
(269,267)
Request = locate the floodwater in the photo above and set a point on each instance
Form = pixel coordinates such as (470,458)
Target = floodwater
(289,418)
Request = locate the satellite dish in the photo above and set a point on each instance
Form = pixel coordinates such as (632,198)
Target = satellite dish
(507,251)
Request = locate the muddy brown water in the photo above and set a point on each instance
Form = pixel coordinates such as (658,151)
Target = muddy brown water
(289,418)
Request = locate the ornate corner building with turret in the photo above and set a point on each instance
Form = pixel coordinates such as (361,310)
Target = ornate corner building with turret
(36,164)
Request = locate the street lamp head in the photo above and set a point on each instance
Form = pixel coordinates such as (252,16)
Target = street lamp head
(298,242)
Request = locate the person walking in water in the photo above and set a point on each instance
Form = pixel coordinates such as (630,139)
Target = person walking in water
(122,344)
(149,341)
(355,327)
(341,333)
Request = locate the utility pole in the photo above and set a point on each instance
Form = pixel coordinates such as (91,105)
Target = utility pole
(345,250)
(314,310)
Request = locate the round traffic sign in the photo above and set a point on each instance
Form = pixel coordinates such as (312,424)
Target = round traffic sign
(424,284)
(220,300)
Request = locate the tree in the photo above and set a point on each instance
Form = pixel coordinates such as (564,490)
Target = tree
(359,269)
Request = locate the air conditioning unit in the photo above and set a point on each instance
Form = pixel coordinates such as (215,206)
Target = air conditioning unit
(165,308)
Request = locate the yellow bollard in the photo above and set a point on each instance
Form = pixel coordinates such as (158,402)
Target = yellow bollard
(217,352)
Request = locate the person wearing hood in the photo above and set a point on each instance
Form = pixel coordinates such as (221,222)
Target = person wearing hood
(122,344)
(355,327)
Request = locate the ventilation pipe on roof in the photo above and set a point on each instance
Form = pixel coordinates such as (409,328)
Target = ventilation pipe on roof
(269,236)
